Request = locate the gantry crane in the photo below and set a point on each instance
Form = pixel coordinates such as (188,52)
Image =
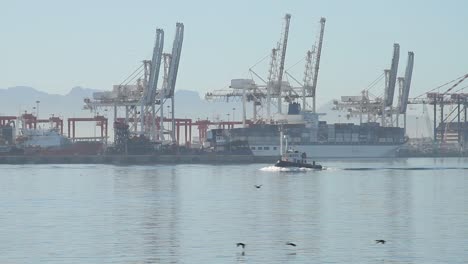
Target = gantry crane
(381,107)
(273,90)
(308,87)
(140,91)
(447,130)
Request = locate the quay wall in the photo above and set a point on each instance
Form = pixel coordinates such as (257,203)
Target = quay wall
(138,159)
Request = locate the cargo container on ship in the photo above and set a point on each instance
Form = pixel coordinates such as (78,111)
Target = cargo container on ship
(318,139)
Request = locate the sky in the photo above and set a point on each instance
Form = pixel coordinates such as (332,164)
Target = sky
(56,45)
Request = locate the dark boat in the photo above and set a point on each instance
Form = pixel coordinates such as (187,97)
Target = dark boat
(294,159)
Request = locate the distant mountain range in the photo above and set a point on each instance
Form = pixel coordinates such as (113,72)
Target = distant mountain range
(16,100)
(189,104)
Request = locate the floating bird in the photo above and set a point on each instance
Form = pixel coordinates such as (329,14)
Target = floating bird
(258,186)
(241,245)
(291,244)
(380,241)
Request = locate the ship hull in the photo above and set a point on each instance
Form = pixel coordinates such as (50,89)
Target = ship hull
(289,164)
(320,151)
(77,148)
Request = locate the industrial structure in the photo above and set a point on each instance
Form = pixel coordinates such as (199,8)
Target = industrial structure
(301,120)
(449,113)
(271,93)
(449,126)
(141,99)
(144,112)
(381,108)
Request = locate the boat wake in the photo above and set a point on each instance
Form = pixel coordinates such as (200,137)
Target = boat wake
(288,169)
(406,168)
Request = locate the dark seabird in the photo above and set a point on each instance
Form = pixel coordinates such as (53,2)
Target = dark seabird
(241,245)
(380,241)
(258,186)
(291,244)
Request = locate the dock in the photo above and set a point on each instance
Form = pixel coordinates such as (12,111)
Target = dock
(139,159)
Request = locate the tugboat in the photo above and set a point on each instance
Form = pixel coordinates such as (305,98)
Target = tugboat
(294,159)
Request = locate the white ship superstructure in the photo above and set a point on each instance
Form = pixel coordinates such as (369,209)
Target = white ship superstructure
(43,138)
(322,151)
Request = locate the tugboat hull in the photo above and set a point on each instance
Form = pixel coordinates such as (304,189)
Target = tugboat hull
(290,164)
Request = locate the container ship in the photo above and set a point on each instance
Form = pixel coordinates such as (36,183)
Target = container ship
(378,133)
(318,139)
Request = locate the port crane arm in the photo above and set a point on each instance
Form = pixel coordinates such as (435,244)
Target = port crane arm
(406,83)
(149,94)
(175,58)
(317,60)
(282,59)
(390,92)
(456,84)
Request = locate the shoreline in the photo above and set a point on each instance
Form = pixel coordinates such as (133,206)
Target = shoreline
(209,159)
(138,159)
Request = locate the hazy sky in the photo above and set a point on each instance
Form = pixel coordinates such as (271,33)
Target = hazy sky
(55,45)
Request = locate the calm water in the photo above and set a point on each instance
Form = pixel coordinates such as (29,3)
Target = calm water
(197,213)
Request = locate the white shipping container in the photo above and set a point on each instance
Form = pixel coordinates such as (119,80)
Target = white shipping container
(241,83)
(104,95)
(351,98)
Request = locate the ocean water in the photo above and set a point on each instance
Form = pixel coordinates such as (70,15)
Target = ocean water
(197,213)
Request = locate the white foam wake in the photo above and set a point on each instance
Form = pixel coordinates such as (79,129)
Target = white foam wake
(274,169)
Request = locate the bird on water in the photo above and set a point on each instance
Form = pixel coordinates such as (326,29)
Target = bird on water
(291,244)
(258,186)
(380,241)
(241,245)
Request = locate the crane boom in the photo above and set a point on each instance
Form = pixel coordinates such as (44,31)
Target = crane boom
(150,91)
(393,75)
(317,59)
(456,84)
(287,18)
(175,58)
(407,83)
